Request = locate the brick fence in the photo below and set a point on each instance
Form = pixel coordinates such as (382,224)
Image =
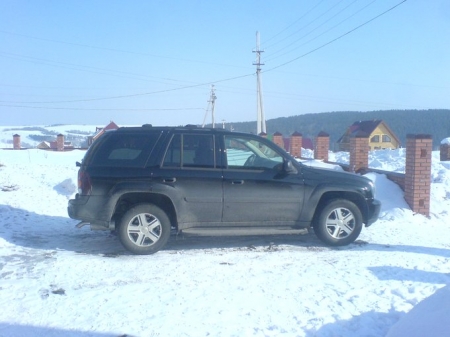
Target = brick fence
(322,146)
(60,146)
(295,144)
(60,142)
(16,142)
(359,153)
(418,172)
(415,182)
(445,152)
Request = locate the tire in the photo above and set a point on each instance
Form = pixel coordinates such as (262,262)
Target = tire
(144,229)
(339,223)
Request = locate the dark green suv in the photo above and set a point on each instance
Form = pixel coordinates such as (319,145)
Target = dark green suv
(144,181)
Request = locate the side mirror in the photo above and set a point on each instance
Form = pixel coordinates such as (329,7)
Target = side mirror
(78,164)
(289,167)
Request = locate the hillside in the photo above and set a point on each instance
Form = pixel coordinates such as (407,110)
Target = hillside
(31,136)
(402,122)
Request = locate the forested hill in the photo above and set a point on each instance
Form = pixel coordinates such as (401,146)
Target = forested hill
(401,122)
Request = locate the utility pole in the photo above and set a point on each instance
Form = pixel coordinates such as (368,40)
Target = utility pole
(260,120)
(211,102)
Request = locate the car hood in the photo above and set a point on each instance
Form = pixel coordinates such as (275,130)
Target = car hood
(323,175)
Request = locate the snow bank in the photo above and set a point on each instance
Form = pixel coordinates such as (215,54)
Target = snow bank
(446,141)
(431,317)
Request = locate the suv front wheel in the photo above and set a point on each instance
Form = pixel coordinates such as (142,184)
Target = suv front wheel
(339,223)
(144,229)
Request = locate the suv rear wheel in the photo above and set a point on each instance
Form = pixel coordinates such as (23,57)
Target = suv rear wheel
(144,229)
(339,223)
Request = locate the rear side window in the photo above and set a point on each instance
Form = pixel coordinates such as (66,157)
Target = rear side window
(125,150)
(190,150)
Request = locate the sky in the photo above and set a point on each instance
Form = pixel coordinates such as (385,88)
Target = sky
(58,280)
(135,62)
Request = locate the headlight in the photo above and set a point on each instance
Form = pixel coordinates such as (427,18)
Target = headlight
(373,188)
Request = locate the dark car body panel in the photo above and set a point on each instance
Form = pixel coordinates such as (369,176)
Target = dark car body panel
(197,193)
(262,195)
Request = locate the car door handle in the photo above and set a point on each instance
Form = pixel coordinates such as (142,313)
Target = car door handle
(237,182)
(169,180)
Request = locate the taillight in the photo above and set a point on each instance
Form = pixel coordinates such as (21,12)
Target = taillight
(84,183)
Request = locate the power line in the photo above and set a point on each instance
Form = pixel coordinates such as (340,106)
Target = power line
(112,49)
(338,38)
(99,109)
(89,69)
(310,23)
(206,83)
(316,28)
(300,18)
(367,80)
(133,95)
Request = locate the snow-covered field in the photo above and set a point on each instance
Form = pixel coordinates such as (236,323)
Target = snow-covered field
(31,136)
(57,280)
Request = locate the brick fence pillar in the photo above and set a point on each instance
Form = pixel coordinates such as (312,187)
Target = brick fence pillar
(60,142)
(445,152)
(359,152)
(295,146)
(322,146)
(278,139)
(16,142)
(418,172)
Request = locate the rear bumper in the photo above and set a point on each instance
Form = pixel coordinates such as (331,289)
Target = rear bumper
(374,212)
(90,209)
(75,207)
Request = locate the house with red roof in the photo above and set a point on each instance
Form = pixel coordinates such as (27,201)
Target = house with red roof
(100,131)
(377,131)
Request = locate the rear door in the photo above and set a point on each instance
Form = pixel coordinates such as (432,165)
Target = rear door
(193,172)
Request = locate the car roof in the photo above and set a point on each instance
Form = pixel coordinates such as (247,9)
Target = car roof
(195,128)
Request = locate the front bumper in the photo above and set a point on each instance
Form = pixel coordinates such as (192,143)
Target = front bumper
(374,211)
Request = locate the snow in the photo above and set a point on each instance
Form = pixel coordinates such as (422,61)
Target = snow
(57,280)
(31,136)
(437,321)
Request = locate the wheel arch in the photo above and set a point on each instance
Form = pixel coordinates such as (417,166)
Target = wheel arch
(132,199)
(354,197)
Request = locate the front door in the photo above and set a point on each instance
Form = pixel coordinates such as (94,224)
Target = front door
(257,190)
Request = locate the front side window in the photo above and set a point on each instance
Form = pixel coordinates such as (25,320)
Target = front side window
(190,151)
(375,139)
(249,153)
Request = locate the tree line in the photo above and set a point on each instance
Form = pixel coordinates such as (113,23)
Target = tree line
(402,122)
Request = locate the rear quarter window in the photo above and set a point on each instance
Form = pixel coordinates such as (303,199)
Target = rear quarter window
(125,150)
